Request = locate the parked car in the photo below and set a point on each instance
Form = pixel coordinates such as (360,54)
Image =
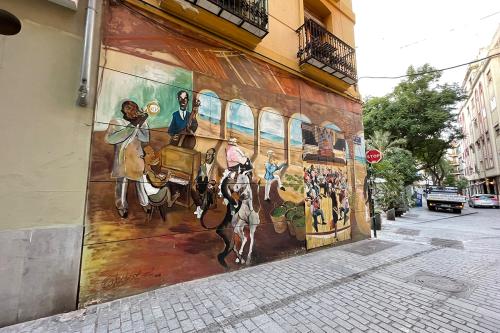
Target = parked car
(484,200)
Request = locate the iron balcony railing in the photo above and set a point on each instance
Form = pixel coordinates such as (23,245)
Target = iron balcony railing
(251,15)
(320,48)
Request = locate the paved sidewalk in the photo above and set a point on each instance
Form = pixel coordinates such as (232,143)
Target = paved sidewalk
(427,272)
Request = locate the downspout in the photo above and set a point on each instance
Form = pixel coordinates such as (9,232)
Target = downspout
(87,54)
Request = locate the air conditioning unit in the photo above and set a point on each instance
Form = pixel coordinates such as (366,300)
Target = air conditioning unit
(71,4)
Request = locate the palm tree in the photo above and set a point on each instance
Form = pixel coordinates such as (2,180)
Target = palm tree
(382,141)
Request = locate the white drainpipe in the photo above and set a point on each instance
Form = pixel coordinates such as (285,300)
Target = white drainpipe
(87,54)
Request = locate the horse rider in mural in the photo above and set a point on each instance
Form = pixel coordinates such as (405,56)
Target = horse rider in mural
(236,159)
(127,135)
(182,119)
(205,189)
(271,167)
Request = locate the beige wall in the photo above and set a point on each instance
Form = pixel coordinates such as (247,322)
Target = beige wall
(46,137)
(44,162)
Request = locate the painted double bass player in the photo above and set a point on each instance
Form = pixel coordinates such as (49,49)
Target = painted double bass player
(184,123)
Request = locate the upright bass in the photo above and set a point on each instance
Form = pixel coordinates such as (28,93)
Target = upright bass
(186,138)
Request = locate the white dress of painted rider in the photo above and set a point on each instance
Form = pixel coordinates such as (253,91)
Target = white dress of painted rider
(237,160)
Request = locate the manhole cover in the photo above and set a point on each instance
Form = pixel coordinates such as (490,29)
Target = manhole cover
(370,247)
(440,283)
(409,232)
(495,228)
(451,243)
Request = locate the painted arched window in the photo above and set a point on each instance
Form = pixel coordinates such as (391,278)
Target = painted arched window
(296,130)
(209,114)
(340,143)
(295,137)
(240,122)
(272,132)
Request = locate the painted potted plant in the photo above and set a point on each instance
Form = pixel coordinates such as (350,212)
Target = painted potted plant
(278,218)
(289,220)
(299,223)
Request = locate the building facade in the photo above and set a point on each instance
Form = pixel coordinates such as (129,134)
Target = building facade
(223,134)
(479,117)
(453,157)
(44,165)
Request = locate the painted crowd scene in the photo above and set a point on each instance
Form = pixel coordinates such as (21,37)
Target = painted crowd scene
(206,160)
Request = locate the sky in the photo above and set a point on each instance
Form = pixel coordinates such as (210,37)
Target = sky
(393,34)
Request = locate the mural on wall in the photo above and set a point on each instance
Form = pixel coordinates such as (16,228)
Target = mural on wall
(326,185)
(205,160)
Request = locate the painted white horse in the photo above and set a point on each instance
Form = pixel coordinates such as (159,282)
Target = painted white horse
(246,215)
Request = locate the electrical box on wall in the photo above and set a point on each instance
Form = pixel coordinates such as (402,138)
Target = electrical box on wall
(71,4)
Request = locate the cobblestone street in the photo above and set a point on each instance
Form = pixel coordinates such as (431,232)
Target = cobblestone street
(426,272)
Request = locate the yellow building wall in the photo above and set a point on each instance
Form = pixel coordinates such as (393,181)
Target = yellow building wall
(281,44)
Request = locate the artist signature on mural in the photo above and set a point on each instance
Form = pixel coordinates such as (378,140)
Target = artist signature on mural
(121,279)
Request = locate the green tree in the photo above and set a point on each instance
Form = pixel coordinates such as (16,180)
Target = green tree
(396,160)
(419,110)
(462,184)
(402,163)
(398,170)
(381,140)
(441,173)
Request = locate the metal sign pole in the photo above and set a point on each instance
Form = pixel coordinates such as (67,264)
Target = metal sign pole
(370,199)
(372,156)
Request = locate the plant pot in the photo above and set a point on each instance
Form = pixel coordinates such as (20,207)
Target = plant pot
(279,224)
(391,214)
(377,222)
(300,233)
(399,212)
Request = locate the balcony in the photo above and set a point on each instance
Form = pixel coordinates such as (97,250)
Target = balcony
(320,49)
(251,15)
(244,22)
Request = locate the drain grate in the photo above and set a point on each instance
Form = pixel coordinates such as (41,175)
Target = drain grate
(408,232)
(450,243)
(370,247)
(441,283)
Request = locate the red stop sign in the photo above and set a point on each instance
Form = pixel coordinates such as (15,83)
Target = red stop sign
(373,156)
